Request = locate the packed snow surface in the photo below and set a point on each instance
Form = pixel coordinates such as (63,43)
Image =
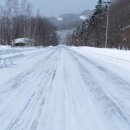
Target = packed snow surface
(64,88)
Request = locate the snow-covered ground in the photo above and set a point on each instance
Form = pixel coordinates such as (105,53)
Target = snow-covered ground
(64,88)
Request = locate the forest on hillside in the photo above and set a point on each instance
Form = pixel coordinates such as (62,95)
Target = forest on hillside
(93,32)
(18,21)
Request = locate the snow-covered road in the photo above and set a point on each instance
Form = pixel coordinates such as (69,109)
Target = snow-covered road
(65,88)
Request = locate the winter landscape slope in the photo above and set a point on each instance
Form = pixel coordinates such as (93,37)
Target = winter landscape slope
(70,20)
(64,88)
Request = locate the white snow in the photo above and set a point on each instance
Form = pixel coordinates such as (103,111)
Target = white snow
(26,41)
(127,27)
(59,19)
(64,88)
(82,17)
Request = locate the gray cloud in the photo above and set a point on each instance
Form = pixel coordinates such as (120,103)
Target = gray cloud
(57,7)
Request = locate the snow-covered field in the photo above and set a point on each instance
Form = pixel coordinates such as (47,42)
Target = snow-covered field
(64,88)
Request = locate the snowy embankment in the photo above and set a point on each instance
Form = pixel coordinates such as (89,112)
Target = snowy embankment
(65,88)
(12,60)
(7,54)
(115,60)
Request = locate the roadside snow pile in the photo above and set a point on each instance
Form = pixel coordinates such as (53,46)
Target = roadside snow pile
(114,60)
(113,53)
(5,51)
(9,54)
(5,62)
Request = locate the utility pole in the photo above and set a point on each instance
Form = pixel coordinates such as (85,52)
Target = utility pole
(107,23)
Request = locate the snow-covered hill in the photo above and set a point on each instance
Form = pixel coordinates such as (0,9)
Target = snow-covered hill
(68,21)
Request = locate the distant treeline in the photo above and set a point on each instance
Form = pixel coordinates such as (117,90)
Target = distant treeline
(17,21)
(93,31)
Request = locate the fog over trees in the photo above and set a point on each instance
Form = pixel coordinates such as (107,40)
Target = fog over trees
(17,21)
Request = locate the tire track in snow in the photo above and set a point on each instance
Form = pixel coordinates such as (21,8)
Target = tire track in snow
(111,107)
(109,74)
(20,77)
(49,79)
(40,65)
(39,53)
(56,100)
(32,103)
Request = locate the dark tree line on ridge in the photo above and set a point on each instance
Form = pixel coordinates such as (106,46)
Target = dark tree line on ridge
(17,21)
(92,32)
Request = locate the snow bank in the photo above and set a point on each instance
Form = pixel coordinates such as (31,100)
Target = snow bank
(114,60)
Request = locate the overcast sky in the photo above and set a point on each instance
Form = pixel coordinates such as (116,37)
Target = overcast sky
(57,7)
